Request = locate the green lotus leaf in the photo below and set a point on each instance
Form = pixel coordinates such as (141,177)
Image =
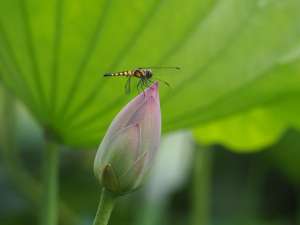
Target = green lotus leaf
(235,55)
(254,130)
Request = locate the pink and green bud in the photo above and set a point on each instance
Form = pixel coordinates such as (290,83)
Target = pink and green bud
(129,146)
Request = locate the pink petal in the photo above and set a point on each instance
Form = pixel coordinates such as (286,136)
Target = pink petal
(122,150)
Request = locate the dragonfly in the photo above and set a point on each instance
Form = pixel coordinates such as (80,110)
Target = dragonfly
(144,74)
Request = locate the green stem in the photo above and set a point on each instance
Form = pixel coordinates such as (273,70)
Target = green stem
(202,186)
(30,188)
(50,215)
(105,208)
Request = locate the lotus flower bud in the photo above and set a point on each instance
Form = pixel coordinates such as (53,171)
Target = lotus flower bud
(129,146)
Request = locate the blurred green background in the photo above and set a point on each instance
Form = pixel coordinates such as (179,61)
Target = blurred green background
(230,152)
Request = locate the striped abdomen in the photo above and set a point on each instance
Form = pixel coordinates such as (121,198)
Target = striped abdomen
(120,74)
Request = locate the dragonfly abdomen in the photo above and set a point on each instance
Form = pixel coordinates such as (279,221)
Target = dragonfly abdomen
(119,74)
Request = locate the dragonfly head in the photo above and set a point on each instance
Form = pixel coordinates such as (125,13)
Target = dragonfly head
(148,73)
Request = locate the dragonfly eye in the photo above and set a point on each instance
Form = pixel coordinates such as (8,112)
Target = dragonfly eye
(148,74)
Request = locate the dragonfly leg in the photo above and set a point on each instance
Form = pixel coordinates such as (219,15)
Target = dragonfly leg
(149,82)
(165,82)
(144,84)
(127,86)
(138,86)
